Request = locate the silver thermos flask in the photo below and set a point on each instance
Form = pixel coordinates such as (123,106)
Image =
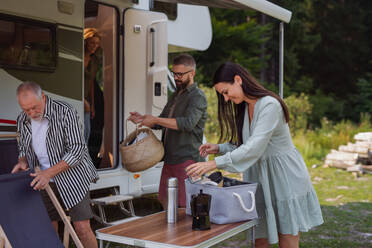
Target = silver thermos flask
(172,200)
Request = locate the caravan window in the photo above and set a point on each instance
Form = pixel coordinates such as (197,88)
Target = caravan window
(27,44)
(170,9)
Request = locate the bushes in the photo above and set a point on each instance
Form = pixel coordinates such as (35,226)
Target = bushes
(316,144)
(212,129)
(299,110)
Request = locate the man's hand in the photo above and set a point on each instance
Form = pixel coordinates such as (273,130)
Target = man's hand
(41,179)
(135,117)
(21,166)
(148,121)
(208,148)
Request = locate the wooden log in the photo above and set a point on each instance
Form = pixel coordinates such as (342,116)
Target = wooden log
(357,168)
(364,143)
(339,164)
(353,148)
(366,136)
(339,155)
(367,167)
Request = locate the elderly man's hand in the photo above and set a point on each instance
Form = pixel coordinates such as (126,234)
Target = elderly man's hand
(135,117)
(148,121)
(21,166)
(41,179)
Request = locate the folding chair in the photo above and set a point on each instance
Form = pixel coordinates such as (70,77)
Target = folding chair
(24,219)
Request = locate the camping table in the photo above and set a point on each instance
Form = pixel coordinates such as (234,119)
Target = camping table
(153,231)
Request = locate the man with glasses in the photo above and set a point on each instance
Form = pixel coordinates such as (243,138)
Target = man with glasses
(182,120)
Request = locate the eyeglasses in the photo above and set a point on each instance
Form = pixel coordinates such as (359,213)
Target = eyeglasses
(179,74)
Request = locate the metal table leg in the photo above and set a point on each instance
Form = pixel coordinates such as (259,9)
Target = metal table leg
(253,236)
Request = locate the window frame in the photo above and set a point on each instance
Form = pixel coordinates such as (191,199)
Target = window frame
(42,24)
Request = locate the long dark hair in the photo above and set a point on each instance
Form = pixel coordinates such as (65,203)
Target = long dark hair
(231,115)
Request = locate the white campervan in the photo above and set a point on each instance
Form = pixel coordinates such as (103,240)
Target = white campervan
(42,41)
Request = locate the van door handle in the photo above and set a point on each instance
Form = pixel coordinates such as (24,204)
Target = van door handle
(152,31)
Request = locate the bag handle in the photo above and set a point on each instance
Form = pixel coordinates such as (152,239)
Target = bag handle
(126,127)
(248,210)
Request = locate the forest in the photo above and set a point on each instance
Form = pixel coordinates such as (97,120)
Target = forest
(327,54)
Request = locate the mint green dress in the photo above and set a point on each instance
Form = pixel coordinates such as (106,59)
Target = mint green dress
(286,200)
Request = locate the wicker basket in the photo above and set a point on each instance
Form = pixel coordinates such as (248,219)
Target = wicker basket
(143,154)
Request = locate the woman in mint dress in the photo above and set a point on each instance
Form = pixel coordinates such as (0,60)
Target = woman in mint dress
(254,121)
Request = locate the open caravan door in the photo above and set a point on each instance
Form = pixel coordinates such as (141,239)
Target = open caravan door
(145,77)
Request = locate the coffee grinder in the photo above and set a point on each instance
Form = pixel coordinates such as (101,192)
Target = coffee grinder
(200,205)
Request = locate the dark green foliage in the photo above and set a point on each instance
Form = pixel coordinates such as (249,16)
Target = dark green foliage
(364,86)
(327,54)
(236,37)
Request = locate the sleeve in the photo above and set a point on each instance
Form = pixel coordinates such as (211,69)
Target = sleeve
(74,142)
(163,114)
(21,145)
(248,153)
(194,111)
(226,147)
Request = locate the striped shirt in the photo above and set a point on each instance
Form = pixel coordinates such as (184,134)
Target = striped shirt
(64,141)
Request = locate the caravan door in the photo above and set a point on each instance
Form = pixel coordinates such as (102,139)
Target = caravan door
(145,78)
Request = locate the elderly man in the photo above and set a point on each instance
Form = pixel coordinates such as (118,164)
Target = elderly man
(182,120)
(50,137)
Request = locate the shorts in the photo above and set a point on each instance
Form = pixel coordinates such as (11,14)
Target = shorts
(79,212)
(178,171)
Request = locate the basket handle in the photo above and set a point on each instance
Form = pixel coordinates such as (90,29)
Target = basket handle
(126,128)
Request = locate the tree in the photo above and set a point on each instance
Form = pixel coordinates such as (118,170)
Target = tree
(236,37)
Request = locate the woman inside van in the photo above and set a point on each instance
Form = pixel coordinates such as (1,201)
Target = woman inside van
(92,41)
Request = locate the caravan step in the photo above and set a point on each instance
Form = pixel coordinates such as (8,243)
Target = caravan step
(112,199)
(113,223)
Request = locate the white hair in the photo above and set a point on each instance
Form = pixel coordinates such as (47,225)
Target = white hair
(30,86)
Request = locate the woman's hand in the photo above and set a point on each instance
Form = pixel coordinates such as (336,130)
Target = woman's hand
(198,169)
(208,148)
(92,112)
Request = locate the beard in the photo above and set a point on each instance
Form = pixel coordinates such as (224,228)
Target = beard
(37,118)
(181,85)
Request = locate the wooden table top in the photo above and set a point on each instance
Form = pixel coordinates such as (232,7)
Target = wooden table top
(155,228)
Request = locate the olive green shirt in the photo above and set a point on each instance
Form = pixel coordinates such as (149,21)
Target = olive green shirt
(190,112)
